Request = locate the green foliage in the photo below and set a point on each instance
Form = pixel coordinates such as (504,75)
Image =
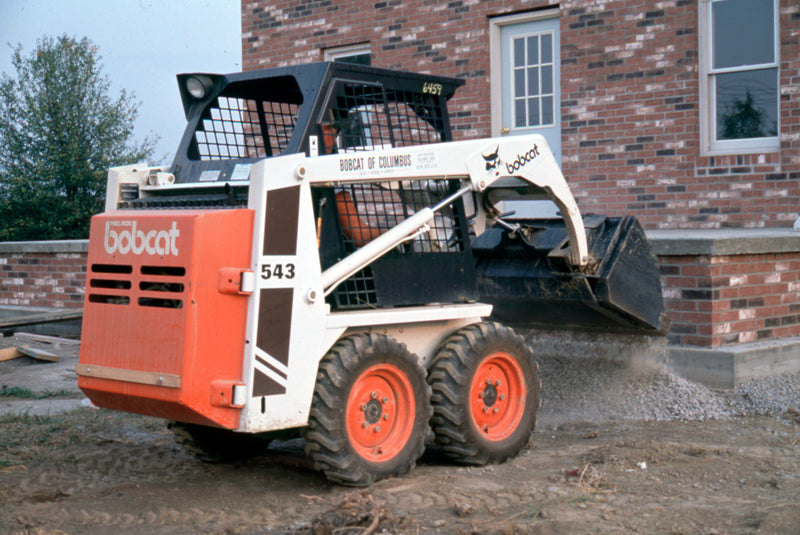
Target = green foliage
(60,131)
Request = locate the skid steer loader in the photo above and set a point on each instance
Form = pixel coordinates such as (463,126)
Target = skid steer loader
(322,259)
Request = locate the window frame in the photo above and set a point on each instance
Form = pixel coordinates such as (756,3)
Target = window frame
(513,98)
(710,146)
(339,53)
(495,75)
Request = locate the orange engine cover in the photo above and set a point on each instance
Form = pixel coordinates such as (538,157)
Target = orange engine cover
(163,332)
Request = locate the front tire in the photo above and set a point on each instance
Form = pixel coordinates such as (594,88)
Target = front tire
(370,411)
(485,394)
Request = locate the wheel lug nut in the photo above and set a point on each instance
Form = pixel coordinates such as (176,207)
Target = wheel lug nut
(495,410)
(385,416)
(377,429)
(363,407)
(497,383)
(385,400)
(486,409)
(365,425)
(481,394)
(374,395)
(488,381)
(502,397)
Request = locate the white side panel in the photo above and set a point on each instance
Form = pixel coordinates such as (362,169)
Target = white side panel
(286,314)
(422,329)
(422,339)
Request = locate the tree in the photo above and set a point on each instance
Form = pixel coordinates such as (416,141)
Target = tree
(60,131)
(743,120)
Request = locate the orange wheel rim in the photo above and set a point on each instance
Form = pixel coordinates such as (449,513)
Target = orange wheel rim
(497,396)
(380,412)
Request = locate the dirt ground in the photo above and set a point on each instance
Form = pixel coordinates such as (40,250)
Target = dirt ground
(90,471)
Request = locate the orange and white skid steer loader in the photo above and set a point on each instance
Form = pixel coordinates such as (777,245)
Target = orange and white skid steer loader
(321,259)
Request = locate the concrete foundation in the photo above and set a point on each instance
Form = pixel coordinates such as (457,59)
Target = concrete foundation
(65,329)
(724,367)
(727,367)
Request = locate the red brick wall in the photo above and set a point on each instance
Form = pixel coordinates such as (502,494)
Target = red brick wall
(630,111)
(42,279)
(715,301)
(630,95)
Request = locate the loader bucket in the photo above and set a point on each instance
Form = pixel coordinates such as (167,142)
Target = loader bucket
(526,276)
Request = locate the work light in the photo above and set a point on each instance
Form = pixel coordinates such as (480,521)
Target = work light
(198,86)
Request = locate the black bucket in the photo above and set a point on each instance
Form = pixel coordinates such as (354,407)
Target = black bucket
(527,278)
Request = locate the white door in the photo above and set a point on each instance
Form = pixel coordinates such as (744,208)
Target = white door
(530,74)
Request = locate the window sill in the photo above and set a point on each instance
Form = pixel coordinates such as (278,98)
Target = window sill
(761,146)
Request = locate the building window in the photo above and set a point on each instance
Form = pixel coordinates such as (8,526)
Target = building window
(740,75)
(534,103)
(359,53)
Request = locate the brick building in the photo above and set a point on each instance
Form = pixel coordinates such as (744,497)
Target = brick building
(647,102)
(684,113)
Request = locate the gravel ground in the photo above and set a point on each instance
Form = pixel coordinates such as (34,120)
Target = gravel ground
(624,379)
(637,384)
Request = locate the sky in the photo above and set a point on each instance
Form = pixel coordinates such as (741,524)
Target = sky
(143,45)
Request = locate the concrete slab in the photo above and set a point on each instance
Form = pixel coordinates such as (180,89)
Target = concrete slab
(41,407)
(724,367)
(717,242)
(69,328)
(728,367)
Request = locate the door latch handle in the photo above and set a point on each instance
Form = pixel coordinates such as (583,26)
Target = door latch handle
(236,281)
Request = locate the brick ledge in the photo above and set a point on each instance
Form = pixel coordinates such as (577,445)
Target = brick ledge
(51,247)
(719,242)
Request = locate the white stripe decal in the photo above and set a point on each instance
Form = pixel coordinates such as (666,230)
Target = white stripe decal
(271,374)
(271,361)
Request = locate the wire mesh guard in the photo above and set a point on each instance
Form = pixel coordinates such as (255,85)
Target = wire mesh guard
(367,210)
(239,128)
(358,117)
(365,117)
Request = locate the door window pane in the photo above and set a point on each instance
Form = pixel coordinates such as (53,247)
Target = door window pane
(533,49)
(533,111)
(547,48)
(533,77)
(547,110)
(547,79)
(519,52)
(533,81)
(519,112)
(519,83)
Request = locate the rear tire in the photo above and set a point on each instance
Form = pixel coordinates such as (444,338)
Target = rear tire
(214,445)
(370,411)
(485,394)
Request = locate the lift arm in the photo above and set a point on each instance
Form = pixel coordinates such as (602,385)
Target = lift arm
(480,162)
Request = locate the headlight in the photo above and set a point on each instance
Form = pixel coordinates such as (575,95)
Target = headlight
(199,86)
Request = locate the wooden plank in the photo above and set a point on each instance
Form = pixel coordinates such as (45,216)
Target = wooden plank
(39,354)
(41,317)
(9,353)
(54,341)
(129,376)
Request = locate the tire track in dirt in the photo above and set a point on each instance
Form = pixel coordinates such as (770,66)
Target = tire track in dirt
(469,490)
(86,469)
(146,520)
